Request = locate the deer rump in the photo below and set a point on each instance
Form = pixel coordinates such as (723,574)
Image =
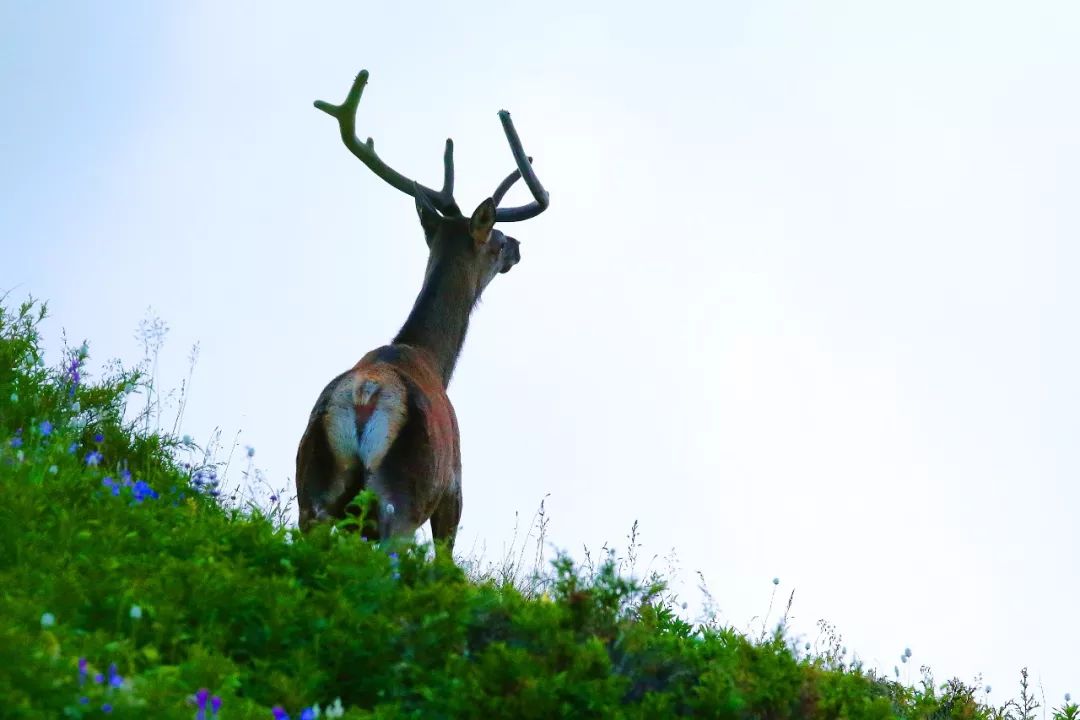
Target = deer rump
(386,425)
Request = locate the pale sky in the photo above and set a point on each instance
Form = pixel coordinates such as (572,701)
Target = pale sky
(803,303)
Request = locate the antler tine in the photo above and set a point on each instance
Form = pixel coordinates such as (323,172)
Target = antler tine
(505,185)
(345,114)
(524,163)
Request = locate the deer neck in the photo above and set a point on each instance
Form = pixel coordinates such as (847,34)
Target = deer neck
(440,318)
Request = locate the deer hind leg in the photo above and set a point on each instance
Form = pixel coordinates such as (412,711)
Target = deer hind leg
(445,519)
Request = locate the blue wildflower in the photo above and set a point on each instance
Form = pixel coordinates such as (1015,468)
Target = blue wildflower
(93,458)
(142,490)
(46,428)
(115,679)
(200,702)
(74,447)
(99,678)
(106,708)
(84,700)
(125,475)
(215,705)
(99,438)
(307,714)
(112,484)
(82,670)
(16,442)
(279,713)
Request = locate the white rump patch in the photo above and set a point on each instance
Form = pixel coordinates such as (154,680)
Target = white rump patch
(382,426)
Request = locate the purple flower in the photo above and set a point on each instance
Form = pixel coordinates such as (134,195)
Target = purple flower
(99,678)
(46,428)
(215,705)
(273,498)
(82,670)
(279,713)
(99,438)
(200,701)
(73,373)
(93,458)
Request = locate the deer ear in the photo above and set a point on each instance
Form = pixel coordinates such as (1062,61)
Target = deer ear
(429,219)
(482,220)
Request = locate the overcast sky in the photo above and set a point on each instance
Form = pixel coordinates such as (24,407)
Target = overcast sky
(804,304)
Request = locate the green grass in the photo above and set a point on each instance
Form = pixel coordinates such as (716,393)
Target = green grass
(115,554)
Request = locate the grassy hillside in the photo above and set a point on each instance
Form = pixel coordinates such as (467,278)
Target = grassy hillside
(129,587)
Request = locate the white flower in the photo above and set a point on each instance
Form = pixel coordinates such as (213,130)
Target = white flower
(14,398)
(389,508)
(335,710)
(135,612)
(76,407)
(48,620)
(53,469)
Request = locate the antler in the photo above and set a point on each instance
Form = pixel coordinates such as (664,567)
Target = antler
(524,164)
(345,114)
(442,200)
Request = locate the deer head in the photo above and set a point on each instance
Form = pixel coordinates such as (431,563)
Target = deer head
(467,245)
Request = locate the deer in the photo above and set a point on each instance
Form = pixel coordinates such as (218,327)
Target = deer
(387,424)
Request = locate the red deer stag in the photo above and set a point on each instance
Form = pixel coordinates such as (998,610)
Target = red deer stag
(387,425)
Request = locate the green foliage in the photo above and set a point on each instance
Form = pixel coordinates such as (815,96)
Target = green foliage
(110,551)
